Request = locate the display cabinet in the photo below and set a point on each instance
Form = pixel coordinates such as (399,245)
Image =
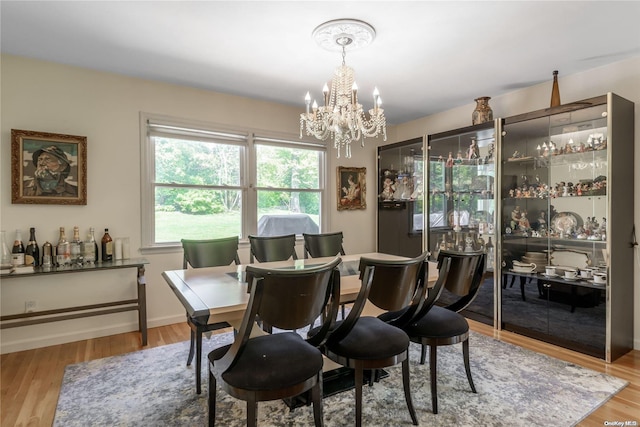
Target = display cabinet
(566,225)
(401,198)
(461,171)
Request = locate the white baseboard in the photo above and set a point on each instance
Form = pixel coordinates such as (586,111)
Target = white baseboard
(39,341)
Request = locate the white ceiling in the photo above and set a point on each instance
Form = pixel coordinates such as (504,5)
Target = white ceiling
(428,56)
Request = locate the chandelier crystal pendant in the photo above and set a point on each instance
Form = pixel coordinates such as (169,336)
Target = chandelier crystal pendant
(342,117)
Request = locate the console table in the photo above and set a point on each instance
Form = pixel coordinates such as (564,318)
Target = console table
(75,312)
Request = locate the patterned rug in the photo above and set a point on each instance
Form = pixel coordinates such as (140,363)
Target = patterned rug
(516,387)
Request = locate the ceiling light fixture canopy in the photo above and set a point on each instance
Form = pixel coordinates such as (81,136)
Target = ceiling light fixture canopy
(342,117)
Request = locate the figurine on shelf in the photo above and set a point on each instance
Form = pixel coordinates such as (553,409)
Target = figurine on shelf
(459,158)
(542,220)
(404,188)
(515,217)
(449,160)
(523,224)
(387,189)
(489,157)
(473,152)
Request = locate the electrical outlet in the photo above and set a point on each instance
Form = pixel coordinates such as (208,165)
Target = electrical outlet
(30,306)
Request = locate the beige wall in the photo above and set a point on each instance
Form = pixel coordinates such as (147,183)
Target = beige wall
(104,107)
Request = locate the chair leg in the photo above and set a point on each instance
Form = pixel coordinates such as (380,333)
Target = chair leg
(316,397)
(252,411)
(433,367)
(407,390)
(359,374)
(198,360)
(191,348)
(212,399)
(465,354)
(423,353)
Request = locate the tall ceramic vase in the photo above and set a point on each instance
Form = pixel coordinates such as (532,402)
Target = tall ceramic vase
(555,91)
(483,112)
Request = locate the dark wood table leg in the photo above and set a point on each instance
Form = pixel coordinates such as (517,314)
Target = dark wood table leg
(142,304)
(199,333)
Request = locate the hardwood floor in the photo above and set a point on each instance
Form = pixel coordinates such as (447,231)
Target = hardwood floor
(30,380)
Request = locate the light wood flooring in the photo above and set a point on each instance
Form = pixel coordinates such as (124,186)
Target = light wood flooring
(30,380)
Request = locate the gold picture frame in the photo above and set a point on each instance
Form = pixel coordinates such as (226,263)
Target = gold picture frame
(48,168)
(352,188)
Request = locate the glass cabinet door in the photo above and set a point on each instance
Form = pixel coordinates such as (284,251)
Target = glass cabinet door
(461,205)
(401,198)
(553,226)
(461,176)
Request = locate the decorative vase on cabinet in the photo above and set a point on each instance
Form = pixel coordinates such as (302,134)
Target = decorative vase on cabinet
(566,190)
(483,112)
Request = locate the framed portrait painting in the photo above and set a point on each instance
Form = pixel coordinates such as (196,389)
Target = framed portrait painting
(48,168)
(352,188)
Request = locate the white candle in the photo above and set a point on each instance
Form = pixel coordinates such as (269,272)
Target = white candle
(118,247)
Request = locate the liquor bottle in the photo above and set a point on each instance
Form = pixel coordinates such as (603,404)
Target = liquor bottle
(75,246)
(107,246)
(47,255)
(490,254)
(555,90)
(90,247)
(63,250)
(17,253)
(95,244)
(32,252)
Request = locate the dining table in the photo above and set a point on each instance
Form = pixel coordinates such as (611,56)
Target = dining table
(219,294)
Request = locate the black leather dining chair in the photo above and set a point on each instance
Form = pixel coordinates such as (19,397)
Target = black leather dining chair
(433,325)
(281,365)
(368,343)
(272,248)
(323,244)
(201,254)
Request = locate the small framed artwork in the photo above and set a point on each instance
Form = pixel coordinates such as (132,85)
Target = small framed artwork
(352,188)
(48,168)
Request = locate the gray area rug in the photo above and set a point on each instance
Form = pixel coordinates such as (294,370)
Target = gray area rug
(516,387)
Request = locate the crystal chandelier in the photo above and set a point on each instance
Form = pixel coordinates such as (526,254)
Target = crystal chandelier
(342,117)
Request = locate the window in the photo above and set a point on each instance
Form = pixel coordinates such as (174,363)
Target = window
(204,183)
(289,195)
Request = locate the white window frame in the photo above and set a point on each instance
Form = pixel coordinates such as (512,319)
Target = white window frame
(248,139)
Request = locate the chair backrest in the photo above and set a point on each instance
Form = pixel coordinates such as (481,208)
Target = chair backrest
(428,296)
(292,299)
(272,248)
(210,253)
(390,285)
(395,282)
(323,245)
(465,276)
